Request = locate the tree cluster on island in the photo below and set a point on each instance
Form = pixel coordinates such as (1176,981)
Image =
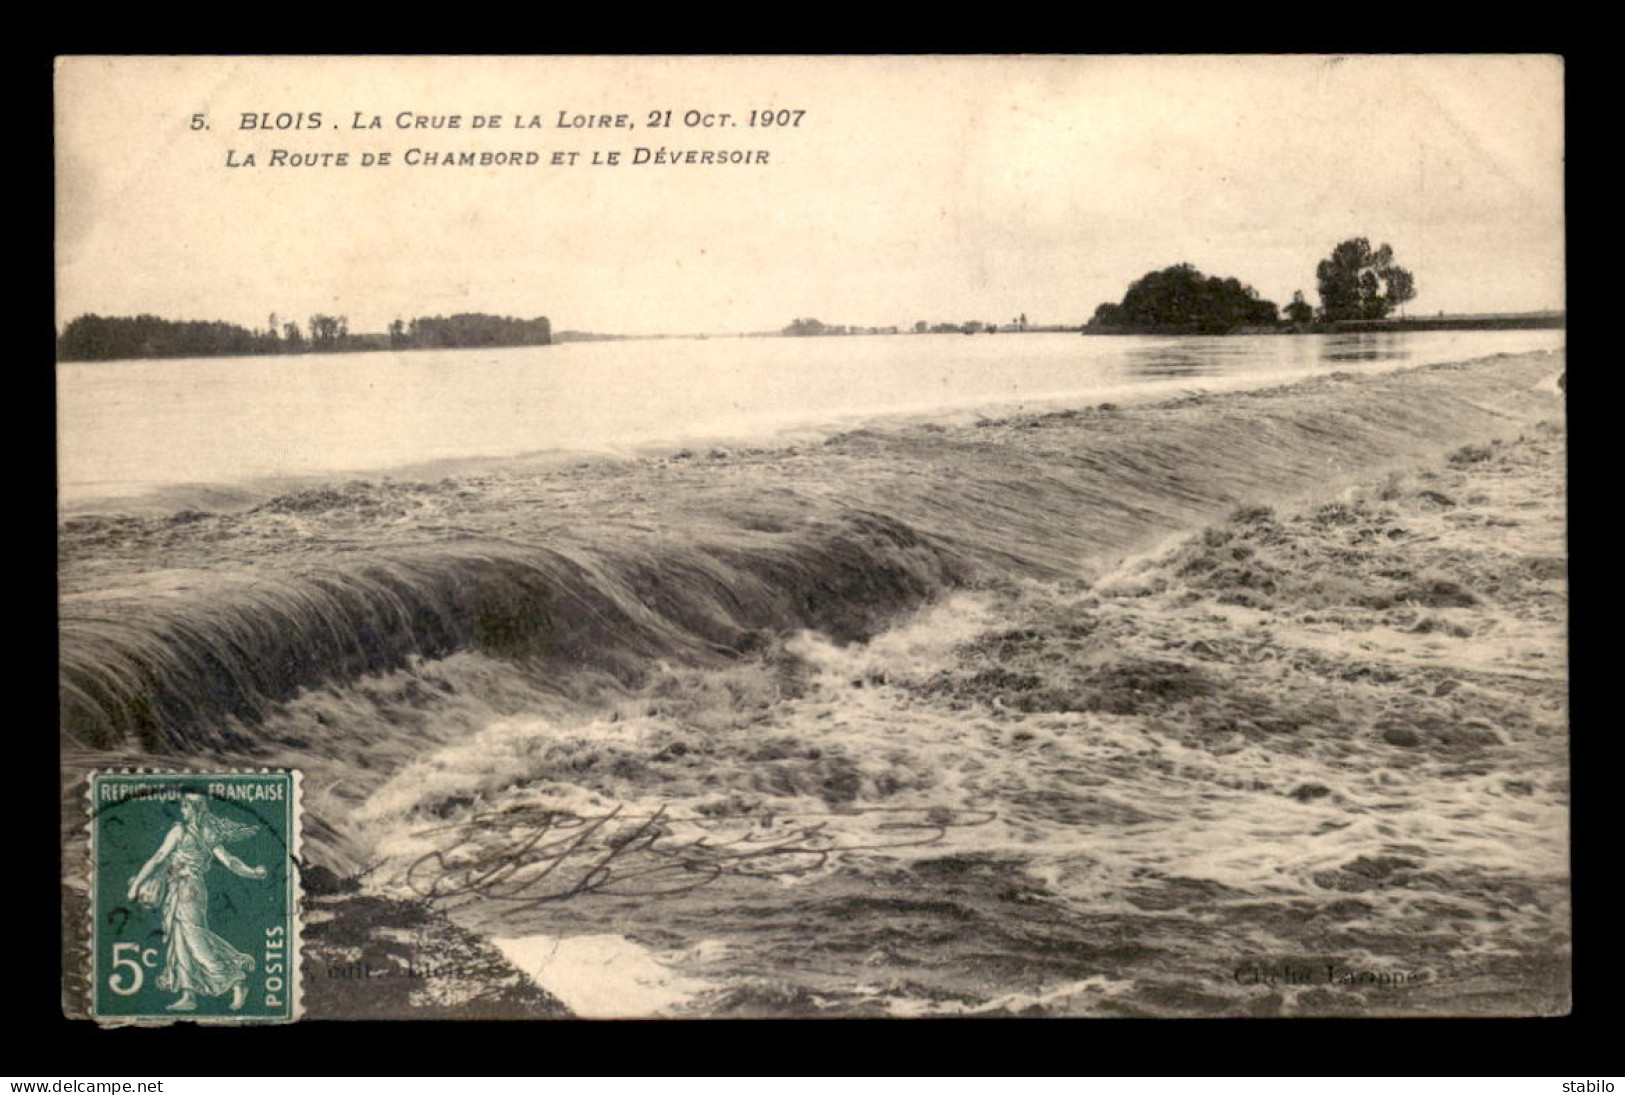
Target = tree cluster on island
(1359,283)
(1182,298)
(1355,283)
(110,338)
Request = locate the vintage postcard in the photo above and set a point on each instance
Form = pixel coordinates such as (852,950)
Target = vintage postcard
(910,536)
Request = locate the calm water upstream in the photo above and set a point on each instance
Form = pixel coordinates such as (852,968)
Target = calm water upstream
(126,428)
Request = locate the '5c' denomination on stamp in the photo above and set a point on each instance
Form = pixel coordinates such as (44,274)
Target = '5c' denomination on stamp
(195,896)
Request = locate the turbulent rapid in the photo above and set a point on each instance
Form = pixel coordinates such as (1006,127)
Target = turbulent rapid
(1246,703)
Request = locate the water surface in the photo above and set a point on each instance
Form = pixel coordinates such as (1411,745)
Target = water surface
(127,428)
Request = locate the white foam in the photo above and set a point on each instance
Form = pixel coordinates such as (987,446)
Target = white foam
(600,976)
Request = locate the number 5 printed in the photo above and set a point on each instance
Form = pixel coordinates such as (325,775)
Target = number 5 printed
(148,958)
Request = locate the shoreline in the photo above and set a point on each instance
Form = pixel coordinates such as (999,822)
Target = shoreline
(1492,322)
(1537,322)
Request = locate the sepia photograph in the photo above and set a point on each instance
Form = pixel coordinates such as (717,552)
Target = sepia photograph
(787,537)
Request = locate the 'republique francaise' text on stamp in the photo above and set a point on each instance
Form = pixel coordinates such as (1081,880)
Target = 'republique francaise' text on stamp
(195,896)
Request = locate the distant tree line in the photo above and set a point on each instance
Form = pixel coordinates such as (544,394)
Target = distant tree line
(107,338)
(803,328)
(469,329)
(104,338)
(808,328)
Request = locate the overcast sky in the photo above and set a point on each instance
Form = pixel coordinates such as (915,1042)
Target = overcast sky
(917,188)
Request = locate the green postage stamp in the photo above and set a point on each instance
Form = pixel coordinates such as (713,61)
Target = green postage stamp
(195,896)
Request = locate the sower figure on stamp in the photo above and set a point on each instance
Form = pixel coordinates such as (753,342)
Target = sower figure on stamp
(175,879)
